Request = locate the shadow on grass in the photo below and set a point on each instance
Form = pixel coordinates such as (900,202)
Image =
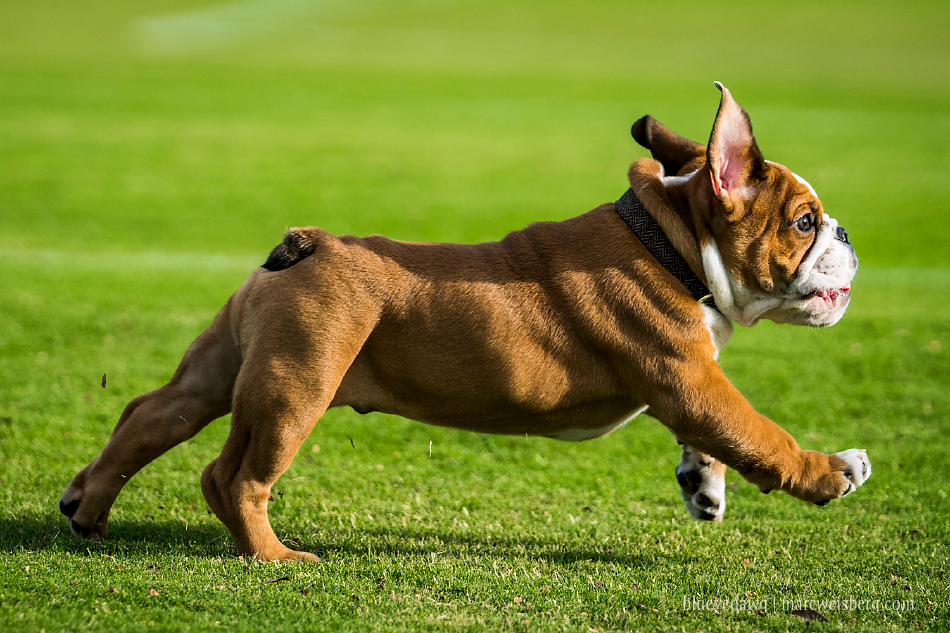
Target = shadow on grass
(422,542)
(51,534)
(208,539)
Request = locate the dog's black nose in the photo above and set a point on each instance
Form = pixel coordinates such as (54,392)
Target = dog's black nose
(842,235)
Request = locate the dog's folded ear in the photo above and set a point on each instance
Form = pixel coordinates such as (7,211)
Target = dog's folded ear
(732,155)
(672,150)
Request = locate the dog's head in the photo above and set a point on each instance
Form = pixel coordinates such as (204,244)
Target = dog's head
(768,248)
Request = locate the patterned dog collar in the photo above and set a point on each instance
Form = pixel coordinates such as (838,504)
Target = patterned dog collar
(648,231)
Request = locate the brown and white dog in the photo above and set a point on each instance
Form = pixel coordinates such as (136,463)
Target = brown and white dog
(564,329)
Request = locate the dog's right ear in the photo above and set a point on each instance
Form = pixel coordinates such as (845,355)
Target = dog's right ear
(672,150)
(733,157)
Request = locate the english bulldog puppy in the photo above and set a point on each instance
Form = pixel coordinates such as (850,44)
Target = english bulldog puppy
(566,330)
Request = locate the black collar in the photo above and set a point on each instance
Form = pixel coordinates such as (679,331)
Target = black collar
(648,230)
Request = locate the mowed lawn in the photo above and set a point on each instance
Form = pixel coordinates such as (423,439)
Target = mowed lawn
(151,154)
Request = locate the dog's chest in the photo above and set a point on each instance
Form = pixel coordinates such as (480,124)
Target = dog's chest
(719,328)
(720,331)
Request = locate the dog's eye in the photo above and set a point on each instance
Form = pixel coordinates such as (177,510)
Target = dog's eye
(805,223)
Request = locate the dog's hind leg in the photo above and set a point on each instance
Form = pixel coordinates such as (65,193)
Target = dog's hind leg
(151,424)
(288,379)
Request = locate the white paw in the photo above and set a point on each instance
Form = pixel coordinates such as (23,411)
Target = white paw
(702,485)
(858,469)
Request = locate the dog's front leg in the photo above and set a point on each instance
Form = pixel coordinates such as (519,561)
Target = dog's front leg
(710,416)
(702,480)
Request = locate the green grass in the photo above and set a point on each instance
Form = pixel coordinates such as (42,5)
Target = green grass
(142,176)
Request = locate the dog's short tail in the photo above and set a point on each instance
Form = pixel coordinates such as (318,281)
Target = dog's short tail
(295,247)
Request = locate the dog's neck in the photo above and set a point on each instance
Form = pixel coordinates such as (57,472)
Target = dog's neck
(654,238)
(667,200)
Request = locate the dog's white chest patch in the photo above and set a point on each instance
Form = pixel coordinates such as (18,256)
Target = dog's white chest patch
(581,435)
(719,327)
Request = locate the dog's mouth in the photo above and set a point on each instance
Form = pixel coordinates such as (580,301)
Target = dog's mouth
(829,298)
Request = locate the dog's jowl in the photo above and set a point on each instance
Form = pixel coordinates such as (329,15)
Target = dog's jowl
(564,329)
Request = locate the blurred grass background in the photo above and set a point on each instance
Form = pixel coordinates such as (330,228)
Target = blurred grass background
(152,153)
(177,127)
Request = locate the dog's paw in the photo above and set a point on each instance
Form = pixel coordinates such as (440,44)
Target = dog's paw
(850,469)
(702,483)
(828,477)
(295,556)
(858,466)
(85,521)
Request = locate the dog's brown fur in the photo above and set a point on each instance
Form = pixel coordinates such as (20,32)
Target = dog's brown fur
(562,326)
